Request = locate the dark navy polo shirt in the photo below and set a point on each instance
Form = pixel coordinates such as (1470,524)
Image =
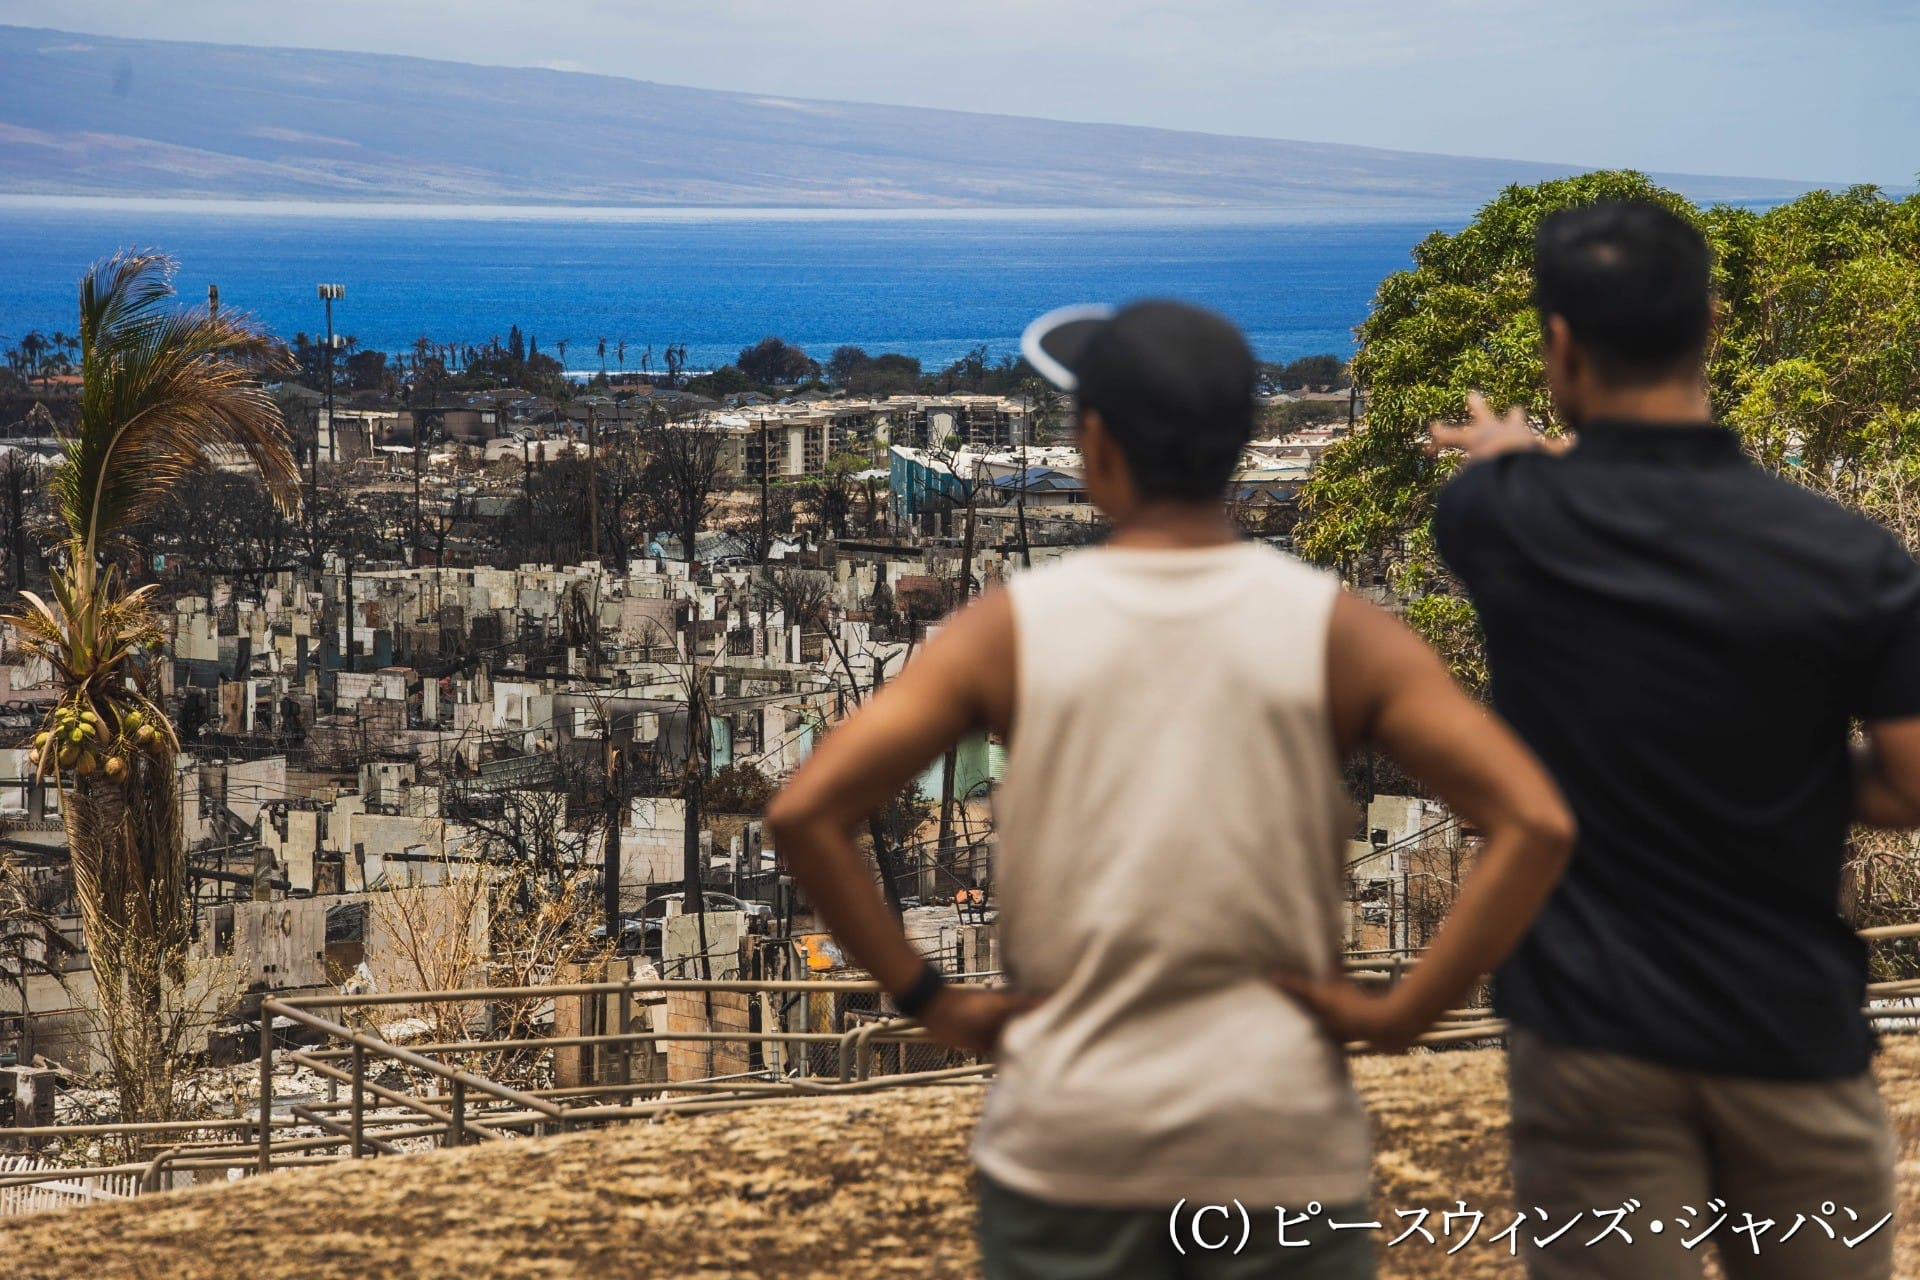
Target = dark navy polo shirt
(1686,640)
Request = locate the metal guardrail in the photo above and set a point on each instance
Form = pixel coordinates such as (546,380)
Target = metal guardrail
(474,1107)
(469,1107)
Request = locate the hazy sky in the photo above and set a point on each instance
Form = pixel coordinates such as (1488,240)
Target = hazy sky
(1764,88)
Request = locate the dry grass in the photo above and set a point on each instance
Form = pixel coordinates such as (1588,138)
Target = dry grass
(849,1189)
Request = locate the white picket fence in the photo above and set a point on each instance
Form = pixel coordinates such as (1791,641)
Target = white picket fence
(59,1192)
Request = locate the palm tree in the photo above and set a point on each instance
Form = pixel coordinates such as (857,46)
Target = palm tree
(161,389)
(34,348)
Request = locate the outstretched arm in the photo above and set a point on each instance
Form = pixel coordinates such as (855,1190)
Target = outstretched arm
(962,680)
(1487,435)
(1391,690)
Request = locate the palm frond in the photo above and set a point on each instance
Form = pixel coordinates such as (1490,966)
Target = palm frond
(162,390)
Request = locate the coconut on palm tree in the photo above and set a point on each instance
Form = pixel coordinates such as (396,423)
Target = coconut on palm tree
(164,392)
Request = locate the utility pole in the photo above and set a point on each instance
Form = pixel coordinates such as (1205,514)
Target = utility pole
(352,541)
(418,532)
(766,465)
(213,299)
(16,482)
(766,462)
(950,766)
(610,871)
(593,484)
(526,486)
(1020,494)
(693,778)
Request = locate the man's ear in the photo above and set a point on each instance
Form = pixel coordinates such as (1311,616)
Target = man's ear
(1558,334)
(1108,482)
(1093,441)
(1561,352)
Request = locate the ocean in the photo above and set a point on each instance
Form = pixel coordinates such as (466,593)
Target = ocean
(929,286)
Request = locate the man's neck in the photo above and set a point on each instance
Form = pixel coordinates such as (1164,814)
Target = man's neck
(1175,526)
(1663,402)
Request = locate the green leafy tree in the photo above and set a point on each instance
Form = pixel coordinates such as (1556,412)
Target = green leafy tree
(1818,359)
(738,788)
(863,375)
(1460,320)
(773,360)
(727,380)
(1815,362)
(1318,372)
(1046,409)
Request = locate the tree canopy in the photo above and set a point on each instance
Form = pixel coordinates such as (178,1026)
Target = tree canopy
(863,375)
(1815,362)
(1324,372)
(775,361)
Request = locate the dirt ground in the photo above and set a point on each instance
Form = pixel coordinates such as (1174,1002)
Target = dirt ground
(852,1189)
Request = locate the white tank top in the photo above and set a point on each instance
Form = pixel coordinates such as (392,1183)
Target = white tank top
(1169,834)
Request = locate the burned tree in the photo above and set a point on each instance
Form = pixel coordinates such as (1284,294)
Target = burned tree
(831,495)
(803,596)
(683,470)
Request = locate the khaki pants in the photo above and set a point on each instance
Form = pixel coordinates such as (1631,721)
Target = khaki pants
(1595,1131)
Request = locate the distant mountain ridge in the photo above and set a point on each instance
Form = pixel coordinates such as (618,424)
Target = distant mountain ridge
(100,116)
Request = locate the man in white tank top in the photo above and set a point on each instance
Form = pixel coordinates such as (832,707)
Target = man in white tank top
(1169,837)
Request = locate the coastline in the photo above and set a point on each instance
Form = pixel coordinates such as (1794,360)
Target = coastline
(1154,215)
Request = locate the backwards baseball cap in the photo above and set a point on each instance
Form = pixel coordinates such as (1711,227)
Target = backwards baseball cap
(1173,384)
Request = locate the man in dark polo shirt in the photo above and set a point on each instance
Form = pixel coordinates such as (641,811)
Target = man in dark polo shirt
(1686,641)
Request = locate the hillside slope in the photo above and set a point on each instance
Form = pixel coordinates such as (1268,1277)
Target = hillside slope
(92,115)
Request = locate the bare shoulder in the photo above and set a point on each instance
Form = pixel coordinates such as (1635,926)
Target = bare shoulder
(985,623)
(1370,656)
(975,653)
(1364,627)
(1290,574)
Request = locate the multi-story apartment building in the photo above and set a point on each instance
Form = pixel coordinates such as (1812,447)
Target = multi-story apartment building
(976,422)
(782,444)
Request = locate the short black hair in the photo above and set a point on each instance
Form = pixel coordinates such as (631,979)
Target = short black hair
(1174,385)
(1633,280)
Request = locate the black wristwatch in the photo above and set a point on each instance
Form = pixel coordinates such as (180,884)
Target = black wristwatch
(914,1000)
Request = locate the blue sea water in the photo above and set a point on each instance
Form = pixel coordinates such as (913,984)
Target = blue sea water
(930,287)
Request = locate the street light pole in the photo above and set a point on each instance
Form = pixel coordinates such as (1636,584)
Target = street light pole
(328,292)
